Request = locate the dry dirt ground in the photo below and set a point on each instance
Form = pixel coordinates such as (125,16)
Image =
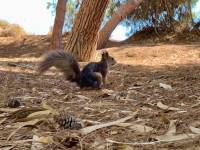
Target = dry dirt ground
(157,86)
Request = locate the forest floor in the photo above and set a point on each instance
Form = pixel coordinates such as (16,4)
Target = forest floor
(154,87)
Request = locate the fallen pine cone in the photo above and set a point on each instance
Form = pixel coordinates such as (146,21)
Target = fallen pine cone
(67,121)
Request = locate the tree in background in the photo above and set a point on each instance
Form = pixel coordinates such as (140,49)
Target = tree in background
(159,15)
(123,11)
(83,38)
(72,8)
(58,25)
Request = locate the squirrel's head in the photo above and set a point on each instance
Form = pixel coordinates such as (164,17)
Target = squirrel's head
(111,61)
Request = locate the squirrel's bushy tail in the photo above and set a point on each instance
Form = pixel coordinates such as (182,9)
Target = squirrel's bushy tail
(63,61)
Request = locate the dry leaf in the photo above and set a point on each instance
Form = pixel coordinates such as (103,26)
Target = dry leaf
(38,115)
(170,135)
(114,132)
(78,97)
(195,130)
(196,105)
(172,128)
(134,87)
(27,114)
(23,124)
(136,127)
(24,112)
(9,110)
(99,144)
(7,147)
(123,147)
(107,91)
(140,128)
(2,120)
(58,92)
(35,144)
(164,119)
(27,123)
(43,139)
(46,106)
(135,143)
(82,97)
(90,129)
(165,107)
(166,86)
(174,138)
(131,95)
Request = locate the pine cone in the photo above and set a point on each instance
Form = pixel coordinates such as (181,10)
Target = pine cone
(13,103)
(67,121)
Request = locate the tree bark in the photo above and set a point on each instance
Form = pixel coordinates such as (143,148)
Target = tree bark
(190,12)
(58,25)
(82,41)
(123,11)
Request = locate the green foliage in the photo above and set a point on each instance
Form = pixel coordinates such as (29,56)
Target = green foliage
(162,14)
(112,7)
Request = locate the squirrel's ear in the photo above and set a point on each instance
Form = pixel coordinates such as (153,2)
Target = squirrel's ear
(103,52)
(106,53)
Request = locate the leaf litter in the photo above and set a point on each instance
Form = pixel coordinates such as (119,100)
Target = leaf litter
(165,116)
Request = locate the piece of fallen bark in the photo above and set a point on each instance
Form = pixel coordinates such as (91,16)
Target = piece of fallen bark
(90,129)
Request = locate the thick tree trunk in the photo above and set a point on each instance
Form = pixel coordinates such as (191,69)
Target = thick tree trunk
(82,41)
(123,11)
(58,25)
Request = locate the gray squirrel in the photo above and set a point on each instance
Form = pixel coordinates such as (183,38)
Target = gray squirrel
(92,75)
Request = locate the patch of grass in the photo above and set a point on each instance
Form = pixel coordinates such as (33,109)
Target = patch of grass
(10,30)
(3,24)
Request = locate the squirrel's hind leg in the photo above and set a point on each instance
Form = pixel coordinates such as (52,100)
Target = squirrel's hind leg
(98,80)
(91,80)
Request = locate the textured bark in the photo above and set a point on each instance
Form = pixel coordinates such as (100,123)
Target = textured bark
(82,41)
(58,25)
(123,11)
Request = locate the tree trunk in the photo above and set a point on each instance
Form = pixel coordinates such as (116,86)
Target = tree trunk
(123,11)
(58,25)
(82,41)
(190,12)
